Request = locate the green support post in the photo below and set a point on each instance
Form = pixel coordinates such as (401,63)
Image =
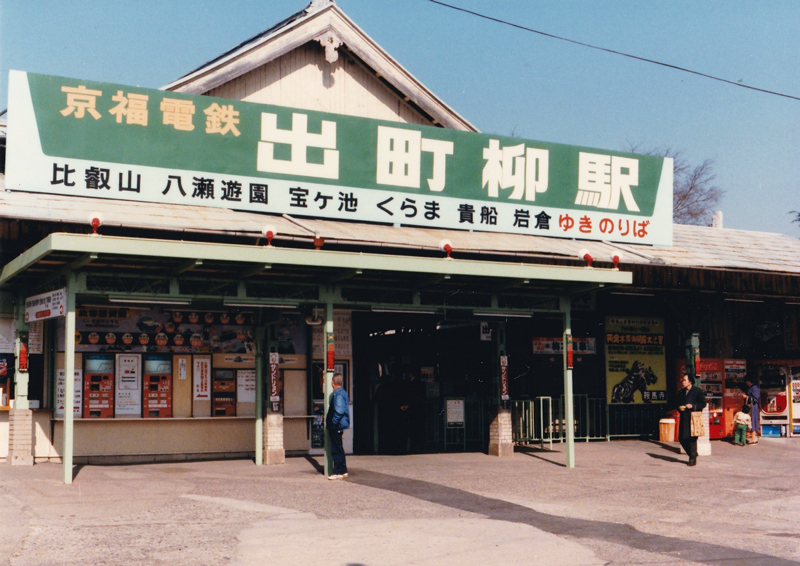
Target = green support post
(328,390)
(569,412)
(69,372)
(261,347)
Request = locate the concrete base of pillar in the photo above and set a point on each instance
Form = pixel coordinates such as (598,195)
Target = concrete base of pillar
(274,456)
(500,435)
(20,437)
(501,450)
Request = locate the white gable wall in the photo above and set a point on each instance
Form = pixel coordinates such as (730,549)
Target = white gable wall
(303,79)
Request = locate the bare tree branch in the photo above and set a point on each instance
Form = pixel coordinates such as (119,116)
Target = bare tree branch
(694,195)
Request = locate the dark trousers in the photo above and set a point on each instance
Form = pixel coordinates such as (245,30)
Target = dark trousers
(337,452)
(690,445)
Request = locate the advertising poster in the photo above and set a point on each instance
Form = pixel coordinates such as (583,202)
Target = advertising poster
(35,337)
(202,379)
(129,385)
(246,385)
(635,360)
(454,409)
(552,346)
(162,331)
(77,395)
(7,329)
(318,425)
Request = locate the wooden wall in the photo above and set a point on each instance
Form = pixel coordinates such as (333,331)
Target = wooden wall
(304,79)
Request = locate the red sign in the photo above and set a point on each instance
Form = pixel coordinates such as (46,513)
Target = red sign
(504,378)
(569,351)
(274,390)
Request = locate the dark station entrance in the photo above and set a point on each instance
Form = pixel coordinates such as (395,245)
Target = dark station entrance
(405,367)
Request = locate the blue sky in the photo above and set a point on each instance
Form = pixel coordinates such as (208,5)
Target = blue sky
(503,80)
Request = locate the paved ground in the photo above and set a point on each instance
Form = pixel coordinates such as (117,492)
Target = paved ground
(626,502)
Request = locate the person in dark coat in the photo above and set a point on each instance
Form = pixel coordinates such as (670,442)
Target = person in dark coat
(690,399)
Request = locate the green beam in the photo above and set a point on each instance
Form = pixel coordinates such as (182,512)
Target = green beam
(142,247)
(27,259)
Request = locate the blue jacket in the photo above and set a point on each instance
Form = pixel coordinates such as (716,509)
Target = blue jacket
(339,410)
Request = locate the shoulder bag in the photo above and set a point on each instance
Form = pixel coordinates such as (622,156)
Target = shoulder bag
(698,427)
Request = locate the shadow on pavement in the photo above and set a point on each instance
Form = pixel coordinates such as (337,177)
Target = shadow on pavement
(538,454)
(76,469)
(666,458)
(618,533)
(666,446)
(313,461)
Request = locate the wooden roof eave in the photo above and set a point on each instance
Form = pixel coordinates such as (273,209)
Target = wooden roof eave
(319,26)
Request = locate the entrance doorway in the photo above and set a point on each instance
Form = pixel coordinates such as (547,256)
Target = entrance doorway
(405,367)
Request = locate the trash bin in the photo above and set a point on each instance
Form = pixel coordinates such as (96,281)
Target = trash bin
(666,430)
(674,414)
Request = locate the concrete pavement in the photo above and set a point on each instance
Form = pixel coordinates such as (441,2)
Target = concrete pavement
(626,502)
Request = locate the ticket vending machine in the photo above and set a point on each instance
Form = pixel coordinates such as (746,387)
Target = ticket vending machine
(733,396)
(795,412)
(98,386)
(774,382)
(710,371)
(223,393)
(157,395)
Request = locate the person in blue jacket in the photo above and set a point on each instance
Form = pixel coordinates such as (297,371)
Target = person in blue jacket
(753,398)
(337,422)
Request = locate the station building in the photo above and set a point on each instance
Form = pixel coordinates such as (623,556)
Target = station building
(202,303)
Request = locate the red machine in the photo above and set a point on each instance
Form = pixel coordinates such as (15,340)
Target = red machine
(775,380)
(223,393)
(98,386)
(735,372)
(157,396)
(711,371)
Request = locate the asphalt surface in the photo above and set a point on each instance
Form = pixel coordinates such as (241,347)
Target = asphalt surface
(626,502)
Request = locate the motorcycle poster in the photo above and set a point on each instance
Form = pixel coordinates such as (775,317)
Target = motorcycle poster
(635,360)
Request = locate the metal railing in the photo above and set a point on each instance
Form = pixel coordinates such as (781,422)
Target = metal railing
(542,419)
(474,431)
(633,420)
(526,427)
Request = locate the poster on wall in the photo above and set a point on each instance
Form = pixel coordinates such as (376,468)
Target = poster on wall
(7,328)
(343,336)
(635,360)
(77,395)
(162,331)
(35,337)
(202,379)
(129,386)
(246,385)
(318,425)
(318,377)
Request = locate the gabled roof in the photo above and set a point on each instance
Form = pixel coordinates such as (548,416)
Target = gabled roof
(321,21)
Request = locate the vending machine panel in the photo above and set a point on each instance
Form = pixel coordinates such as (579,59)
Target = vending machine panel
(157,395)
(98,386)
(711,371)
(735,372)
(223,393)
(795,401)
(774,383)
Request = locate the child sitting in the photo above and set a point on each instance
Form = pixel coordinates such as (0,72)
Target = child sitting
(741,422)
